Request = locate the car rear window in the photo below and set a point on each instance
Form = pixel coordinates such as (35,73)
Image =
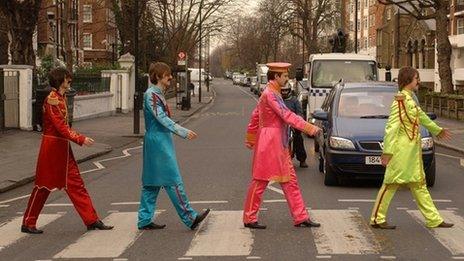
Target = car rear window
(362,103)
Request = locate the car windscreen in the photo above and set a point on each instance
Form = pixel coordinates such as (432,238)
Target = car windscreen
(326,73)
(364,103)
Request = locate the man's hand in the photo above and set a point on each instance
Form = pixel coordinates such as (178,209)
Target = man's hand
(191,135)
(385,159)
(249,145)
(445,134)
(88,141)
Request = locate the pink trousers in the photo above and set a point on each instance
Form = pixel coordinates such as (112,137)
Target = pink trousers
(292,194)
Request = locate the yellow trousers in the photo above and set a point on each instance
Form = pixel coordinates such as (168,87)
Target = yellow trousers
(421,195)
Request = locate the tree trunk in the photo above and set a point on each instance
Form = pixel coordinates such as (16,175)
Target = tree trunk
(3,39)
(22,17)
(444,49)
(67,36)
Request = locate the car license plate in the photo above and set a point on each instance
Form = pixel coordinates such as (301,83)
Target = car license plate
(373,160)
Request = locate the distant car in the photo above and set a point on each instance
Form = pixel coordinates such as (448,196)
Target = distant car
(253,83)
(238,79)
(353,118)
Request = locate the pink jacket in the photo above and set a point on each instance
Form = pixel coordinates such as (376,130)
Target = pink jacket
(268,133)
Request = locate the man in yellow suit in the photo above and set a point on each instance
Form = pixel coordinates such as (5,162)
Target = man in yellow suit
(402,154)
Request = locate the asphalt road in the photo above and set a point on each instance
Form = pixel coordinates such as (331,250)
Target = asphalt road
(216,172)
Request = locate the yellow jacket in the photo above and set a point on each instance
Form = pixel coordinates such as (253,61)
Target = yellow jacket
(403,140)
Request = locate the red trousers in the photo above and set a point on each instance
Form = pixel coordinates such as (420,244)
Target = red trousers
(76,192)
(292,195)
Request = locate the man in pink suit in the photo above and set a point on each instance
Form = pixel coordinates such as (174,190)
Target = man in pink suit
(268,136)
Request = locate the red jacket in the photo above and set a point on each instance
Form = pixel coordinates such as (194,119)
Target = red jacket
(55,150)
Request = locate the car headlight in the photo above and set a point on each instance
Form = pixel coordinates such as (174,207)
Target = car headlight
(427,143)
(341,143)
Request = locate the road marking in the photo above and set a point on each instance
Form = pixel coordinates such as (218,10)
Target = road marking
(458,257)
(353,208)
(249,94)
(122,237)
(356,200)
(184,258)
(440,200)
(14,199)
(387,257)
(324,257)
(4,206)
(446,155)
(402,208)
(191,202)
(11,232)
(274,200)
(275,189)
(120,259)
(101,166)
(462,162)
(60,205)
(222,234)
(451,238)
(452,208)
(343,232)
(253,257)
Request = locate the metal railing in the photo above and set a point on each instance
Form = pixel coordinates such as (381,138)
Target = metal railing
(90,83)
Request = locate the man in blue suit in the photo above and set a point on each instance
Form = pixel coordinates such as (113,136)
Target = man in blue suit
(160,167)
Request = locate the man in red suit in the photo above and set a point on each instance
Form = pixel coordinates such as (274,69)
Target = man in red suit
(56,166)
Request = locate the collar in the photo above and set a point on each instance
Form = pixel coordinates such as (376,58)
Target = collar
(407,92)
(156,89)
(275,87)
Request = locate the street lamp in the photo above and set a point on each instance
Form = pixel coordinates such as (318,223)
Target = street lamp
(200,74)
(136,68)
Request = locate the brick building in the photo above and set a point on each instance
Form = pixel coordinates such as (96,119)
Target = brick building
(92,29)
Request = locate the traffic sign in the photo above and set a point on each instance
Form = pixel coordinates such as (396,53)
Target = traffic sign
(181,55)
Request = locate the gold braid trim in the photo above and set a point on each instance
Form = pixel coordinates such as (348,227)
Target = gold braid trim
(52,99)
(251,137)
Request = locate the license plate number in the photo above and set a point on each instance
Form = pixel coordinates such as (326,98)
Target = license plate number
(373,160)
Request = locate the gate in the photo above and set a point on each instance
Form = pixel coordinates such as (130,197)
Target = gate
(9,99)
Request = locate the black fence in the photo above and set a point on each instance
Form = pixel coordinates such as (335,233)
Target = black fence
(90,83)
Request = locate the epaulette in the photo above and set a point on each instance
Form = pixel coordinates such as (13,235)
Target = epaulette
(53,99)
(399,97)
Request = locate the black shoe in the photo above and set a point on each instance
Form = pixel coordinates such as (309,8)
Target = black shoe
(30,230)
(254,225)
(308,223)
(383,225)
(99,225)
(303,164)
(199,218)
(152,226)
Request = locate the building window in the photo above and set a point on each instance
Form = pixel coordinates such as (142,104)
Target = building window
(365,23)
(460,26)
(87,13)
(87,39)
(366,3)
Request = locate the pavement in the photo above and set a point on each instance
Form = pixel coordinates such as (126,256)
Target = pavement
(19,149)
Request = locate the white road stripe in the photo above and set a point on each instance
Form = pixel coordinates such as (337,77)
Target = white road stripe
(324,257)
(451,238)
(458,257)
(184,258)
(60,205)
(223,234)
(275,189)
(253,257)
(387,257)
(191,202)
(101,166)
(4,206)
(11,232)
(402,208)
(462,162)
(122,236)
(14,199)
(356,200)
(274,200)
(343,232)
(452,208)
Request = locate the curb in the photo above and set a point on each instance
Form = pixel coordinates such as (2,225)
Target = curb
(450,147)
(26,180)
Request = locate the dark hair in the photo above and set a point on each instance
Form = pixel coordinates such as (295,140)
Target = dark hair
(271,75)
(406,76)
(158,70)
(57,76)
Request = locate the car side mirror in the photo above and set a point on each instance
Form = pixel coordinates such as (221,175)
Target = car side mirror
(321,115)
(299,74)
(432,115)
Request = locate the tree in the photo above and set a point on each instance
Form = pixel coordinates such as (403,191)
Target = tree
(437,10)
(4,41)
(22,17)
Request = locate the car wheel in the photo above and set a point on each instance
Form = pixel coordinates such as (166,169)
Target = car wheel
(430,175)
(330,177)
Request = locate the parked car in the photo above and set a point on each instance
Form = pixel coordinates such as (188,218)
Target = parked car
(253,83)
(353,118)
(238,79)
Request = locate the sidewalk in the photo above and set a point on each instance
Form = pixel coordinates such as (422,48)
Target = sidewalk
(19,149)
(457,129)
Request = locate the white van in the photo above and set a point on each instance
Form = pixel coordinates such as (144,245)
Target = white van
(323,71)
(261,73)
(195,74)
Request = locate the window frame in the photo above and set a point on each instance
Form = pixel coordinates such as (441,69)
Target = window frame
(84,13)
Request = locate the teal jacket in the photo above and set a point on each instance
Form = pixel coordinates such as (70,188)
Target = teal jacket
(159,157)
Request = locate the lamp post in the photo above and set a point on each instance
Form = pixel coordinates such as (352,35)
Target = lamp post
(200,74)
(356,26)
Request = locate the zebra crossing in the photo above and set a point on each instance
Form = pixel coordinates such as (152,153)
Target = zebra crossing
(343,232)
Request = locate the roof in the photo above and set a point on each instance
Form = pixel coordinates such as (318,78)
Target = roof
(341,56)
(369,84)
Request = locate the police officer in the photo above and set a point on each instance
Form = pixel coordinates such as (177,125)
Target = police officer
(294,105)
